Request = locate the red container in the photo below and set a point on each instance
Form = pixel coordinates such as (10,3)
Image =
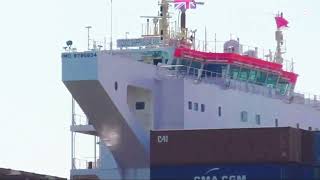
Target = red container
(308,147)
(190,147)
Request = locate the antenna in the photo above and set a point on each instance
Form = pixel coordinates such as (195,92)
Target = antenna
(88,27)
(193,38)
(155,28)
(205,39)
(155,20)
(69,44)
(281,23)
(164,13)
(292,65)
(111,23)
(215,42)
(148,26)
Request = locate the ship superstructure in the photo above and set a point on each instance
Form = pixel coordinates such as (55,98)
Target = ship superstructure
(165,81)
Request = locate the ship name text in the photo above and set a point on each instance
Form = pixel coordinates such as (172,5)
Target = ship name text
(79,55)
(232,177)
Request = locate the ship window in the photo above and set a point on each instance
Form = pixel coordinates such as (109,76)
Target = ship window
(184,64)
(234,72)
(252,76)
(116,85)
(244,116)
(298,125)
(261,77)
(157,61)
(202,108)
(174,61)
(190,105)
(282,86)
(276,121)
(140,105)
(272,80)
(223,70)
(244,74)
(195,66)
(258,119)
(196,106)
(219,111)
(215,70)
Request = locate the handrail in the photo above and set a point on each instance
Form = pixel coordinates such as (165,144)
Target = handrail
(80,119)
(87,163)
(227,82)
(244,49)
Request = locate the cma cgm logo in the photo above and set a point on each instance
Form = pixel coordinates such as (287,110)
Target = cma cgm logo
(163,139)
(208,176)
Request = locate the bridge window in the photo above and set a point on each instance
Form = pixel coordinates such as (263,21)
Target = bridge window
(234,72)
(174,62)
(272,80)
(252,75)
(215,70)
(244,116)
(261,77)
(244,74)
(224,70)
(185,63)
(195,66)
(282,86)
(157,61)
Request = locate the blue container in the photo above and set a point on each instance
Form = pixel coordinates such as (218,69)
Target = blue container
(317,147)
(236,172)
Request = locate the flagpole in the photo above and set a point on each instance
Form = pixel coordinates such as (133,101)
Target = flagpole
(111,29)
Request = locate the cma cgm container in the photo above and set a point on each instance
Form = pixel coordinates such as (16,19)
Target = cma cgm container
(317,147)
(260,145)
(236,172)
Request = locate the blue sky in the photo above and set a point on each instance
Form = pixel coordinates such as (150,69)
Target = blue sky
(35,105)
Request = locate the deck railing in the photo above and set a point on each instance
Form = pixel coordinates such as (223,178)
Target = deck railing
(80,120)
(85,163)
(227,82)
(243,49)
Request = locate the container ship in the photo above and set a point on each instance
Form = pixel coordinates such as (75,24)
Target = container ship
(166,107)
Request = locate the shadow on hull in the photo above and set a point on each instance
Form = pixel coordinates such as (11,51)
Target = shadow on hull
(111,126)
